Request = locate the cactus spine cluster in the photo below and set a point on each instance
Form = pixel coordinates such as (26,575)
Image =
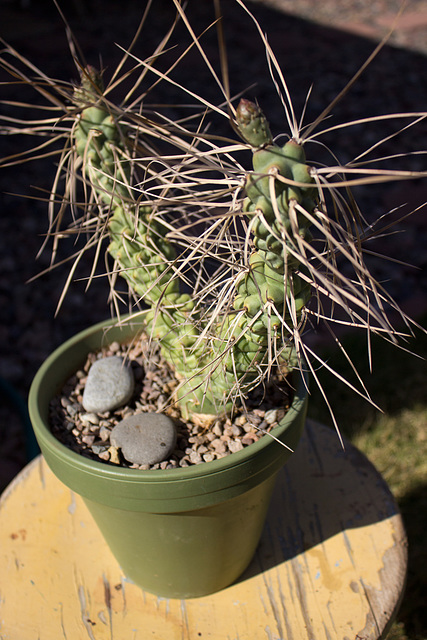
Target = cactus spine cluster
(269,293)
(273,292)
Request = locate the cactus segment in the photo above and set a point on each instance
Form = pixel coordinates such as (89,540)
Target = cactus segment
(272,291)
(252,124)
(90,88)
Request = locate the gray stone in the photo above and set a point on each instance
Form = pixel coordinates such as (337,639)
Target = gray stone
(110,384)
(145,438)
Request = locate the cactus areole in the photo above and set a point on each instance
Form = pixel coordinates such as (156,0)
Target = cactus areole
(219,365)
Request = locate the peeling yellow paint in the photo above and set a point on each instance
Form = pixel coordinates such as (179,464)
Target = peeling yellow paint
(322,569)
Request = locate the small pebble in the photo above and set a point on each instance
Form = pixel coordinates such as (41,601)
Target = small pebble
(271,416)
(217,430)
(72,410)
(195,457)
(145,438)
(104,434)
(110,384)
(248,426)
(202,449)
(235,446)
(89,418)
(99,448)
(114,455)
(219,445)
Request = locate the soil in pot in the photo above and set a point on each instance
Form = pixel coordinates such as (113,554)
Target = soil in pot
(88,433)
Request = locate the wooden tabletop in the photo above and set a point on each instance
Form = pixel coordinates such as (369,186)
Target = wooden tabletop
(331,563)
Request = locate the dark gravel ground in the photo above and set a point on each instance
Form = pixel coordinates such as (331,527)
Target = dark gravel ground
(316,43)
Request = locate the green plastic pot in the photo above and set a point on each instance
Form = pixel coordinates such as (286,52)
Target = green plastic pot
(176,533)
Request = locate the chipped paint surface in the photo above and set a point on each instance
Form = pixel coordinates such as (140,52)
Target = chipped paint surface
(331,563)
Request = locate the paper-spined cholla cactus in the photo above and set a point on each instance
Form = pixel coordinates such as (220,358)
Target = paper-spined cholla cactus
(170,200)
(218,357)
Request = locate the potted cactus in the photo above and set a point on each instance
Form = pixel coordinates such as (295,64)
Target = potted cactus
(225,265)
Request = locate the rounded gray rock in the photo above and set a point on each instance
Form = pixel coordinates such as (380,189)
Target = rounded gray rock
(145,438)
(110,384)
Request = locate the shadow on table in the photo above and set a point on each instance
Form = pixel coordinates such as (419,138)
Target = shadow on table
(322,491)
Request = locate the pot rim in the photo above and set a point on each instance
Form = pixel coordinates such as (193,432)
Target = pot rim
(241,465)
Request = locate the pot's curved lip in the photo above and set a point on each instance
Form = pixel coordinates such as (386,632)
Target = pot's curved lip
(190,473)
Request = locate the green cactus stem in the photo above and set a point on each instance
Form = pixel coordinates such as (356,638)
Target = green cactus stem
(217,358)
(138,244)
(274,289)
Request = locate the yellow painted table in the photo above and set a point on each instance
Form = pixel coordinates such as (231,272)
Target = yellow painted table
(331,563)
